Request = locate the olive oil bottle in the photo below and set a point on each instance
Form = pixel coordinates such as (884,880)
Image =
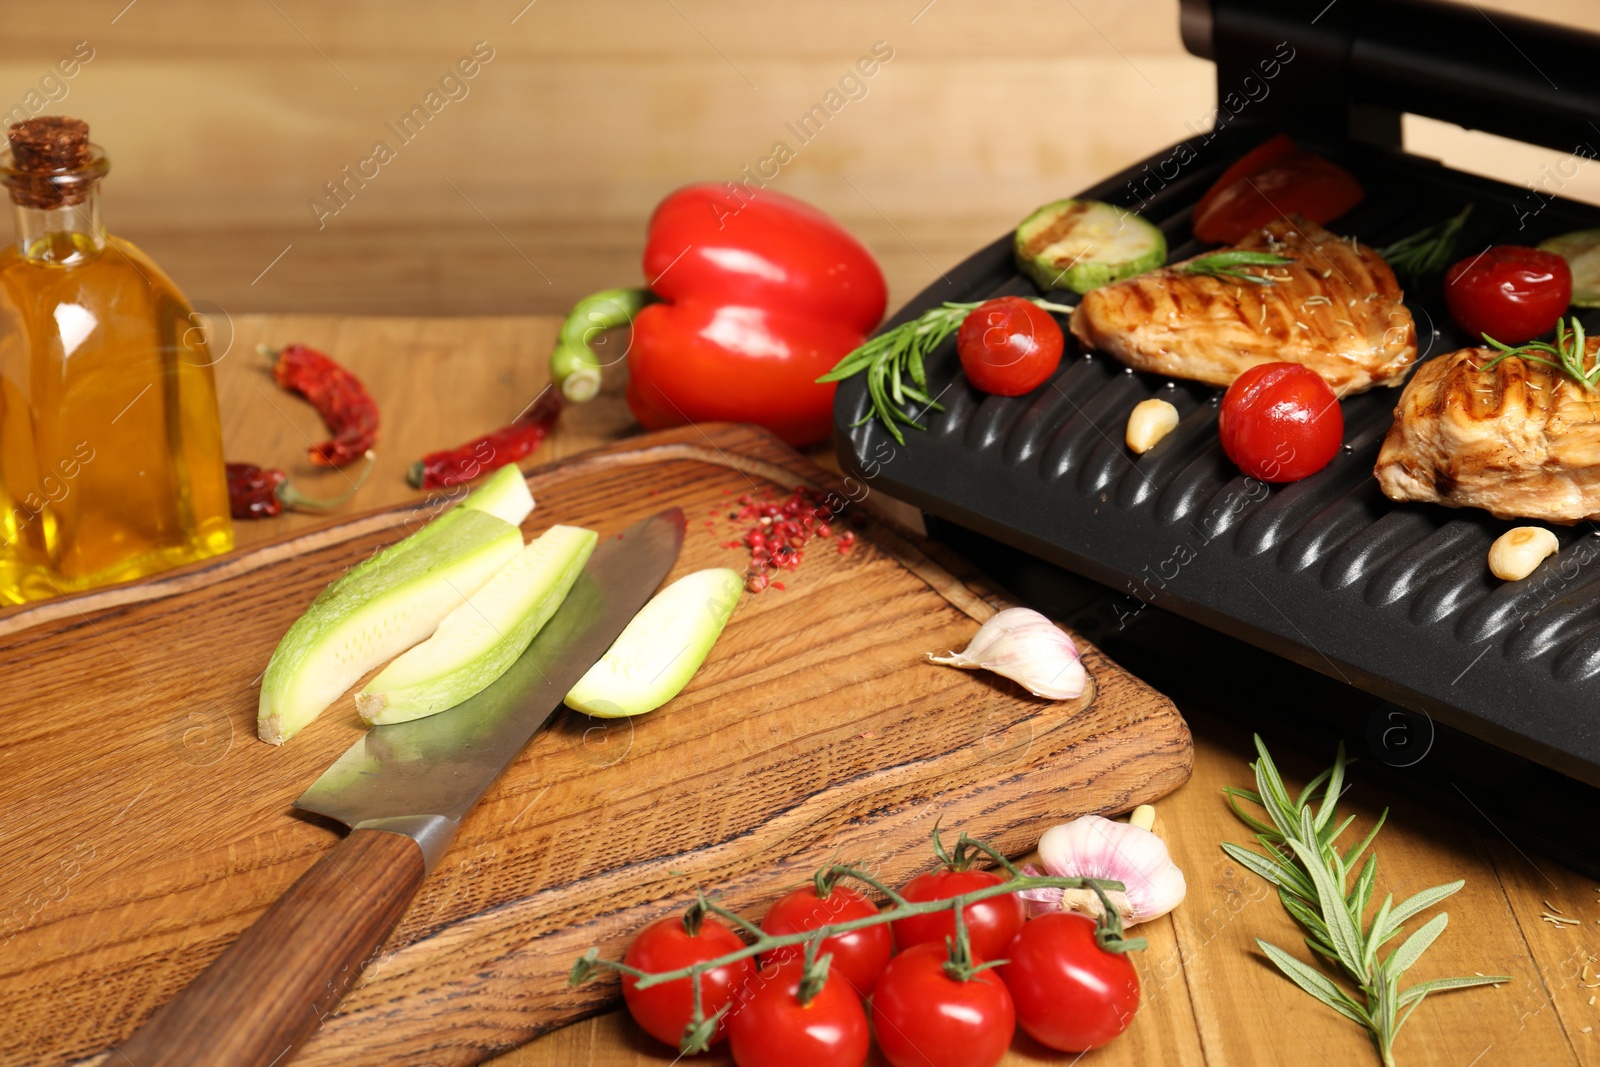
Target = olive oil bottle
(110,447)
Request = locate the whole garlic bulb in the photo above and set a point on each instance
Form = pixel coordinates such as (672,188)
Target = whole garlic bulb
(1092,847)
(1023,645)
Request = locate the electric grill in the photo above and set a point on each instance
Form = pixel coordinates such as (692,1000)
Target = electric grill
(1392,600)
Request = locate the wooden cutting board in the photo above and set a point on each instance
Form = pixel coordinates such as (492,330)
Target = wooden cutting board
(144,826)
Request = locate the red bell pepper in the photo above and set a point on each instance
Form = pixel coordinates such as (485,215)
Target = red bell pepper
(1274,179)
(752,298)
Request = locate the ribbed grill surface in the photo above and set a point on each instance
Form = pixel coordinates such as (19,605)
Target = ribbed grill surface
(1394,598)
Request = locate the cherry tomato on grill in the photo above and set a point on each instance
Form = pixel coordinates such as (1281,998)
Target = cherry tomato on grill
(1009,346)
(665,945)
(769,1027)
(924,1017)
(1511,293)
(991,923)
(859,957)
(1070,993)
(1280,422)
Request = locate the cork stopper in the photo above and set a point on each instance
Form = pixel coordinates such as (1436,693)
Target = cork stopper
(48,157)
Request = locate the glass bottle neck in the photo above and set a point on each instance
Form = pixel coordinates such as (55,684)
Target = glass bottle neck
(63,236)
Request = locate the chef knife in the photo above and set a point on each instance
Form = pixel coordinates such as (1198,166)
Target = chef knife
(402,790)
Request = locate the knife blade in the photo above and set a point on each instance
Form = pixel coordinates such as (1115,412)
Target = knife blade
(402,790)
(420,777)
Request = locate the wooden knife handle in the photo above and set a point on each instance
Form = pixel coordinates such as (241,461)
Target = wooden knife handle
(273,986)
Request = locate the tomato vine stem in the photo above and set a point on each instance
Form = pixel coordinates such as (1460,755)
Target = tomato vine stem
(1108,930)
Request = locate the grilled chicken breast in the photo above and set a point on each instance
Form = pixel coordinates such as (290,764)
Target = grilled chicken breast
(1520,440)
(1335,309)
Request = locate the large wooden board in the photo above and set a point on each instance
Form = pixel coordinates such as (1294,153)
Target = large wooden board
(144,826)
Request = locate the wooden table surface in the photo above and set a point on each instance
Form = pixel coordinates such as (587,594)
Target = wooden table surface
(1209,997)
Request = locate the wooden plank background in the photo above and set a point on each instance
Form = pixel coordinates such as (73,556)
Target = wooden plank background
(225,119)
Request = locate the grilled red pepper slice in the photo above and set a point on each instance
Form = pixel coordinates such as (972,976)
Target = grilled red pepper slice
(1275,179)
(339,397)
(1257,159)
(455,466)
(760,294)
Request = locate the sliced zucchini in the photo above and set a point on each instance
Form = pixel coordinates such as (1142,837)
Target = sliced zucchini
(661,648)
(1084,244)
(376,610)
(1581,250)
(505,496)
(481,638)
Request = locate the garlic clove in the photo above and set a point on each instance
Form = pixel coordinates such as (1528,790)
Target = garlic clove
(1023,645)
(1082,901)
(1092,847)
(1148,423)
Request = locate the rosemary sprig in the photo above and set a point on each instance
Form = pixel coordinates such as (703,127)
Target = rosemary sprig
(1571,350)
(1313,880)
(961,966)
(890,356)
(1429,250)
(1227,265)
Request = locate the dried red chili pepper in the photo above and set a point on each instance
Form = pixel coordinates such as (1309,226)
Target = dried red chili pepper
(455,466)
(339,397)
(252,491)
(262,492)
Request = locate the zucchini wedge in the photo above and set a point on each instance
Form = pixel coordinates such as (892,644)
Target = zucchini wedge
(661,648)
(1084,244)
(479,640)
(1581,250)
(505,496)
(376,610)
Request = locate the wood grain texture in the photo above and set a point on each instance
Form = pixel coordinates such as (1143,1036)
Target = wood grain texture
(815,730)
(1209,998)
(223,120)
(259,1000)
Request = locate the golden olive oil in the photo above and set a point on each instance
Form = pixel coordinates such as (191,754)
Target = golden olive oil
(111,461)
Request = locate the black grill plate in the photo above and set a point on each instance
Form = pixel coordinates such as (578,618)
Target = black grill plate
(1393,598)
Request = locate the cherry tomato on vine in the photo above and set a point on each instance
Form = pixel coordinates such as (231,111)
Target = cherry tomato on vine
(769,1027)
(1511,293)
(664,1010)
(859,956)
(991,924)
(1009,346)
(1070,993)
(924,1017)
(1280,422)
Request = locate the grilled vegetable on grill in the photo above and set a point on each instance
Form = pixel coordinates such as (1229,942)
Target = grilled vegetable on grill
(1009,346)
(1274,178)
(1335,308)
(1508,292)
(1084,244)
(1280,422)
(1581,250)
(1516,437)
(901,352)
